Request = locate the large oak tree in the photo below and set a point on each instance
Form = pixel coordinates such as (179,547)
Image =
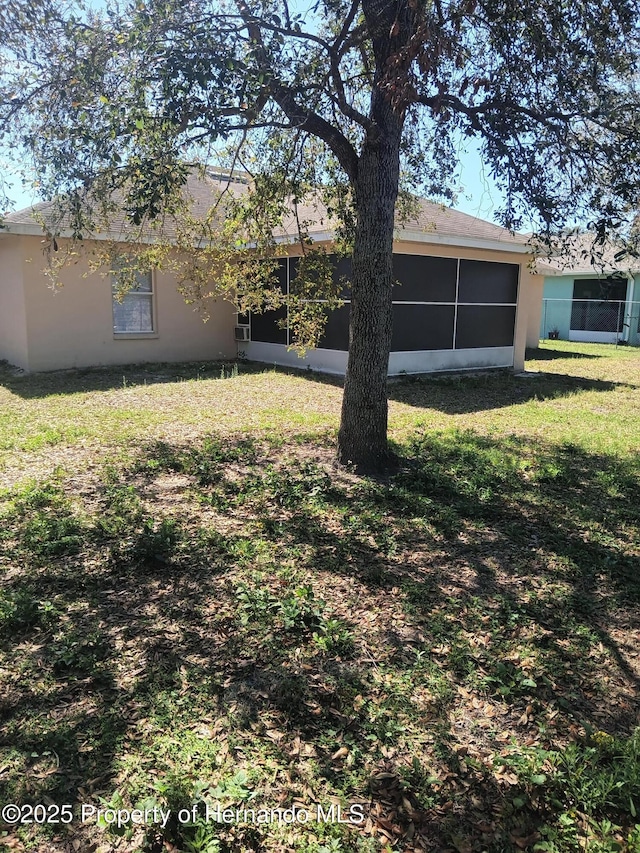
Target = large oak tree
(360,97)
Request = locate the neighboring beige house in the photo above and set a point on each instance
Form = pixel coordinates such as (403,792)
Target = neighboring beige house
(467,300)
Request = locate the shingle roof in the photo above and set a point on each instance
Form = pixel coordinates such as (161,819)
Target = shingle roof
(432,219)
(433,222)
(204,193)
(437,218)
(576,254)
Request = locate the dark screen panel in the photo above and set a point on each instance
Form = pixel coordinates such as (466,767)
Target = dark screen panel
(341,270)
(336,334)
(281,275)
(264,327)
(613,288)
(485,326)
(424,279)
(485,281)
(293,265)
(422,327)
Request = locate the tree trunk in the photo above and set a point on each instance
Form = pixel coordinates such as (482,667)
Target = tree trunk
(362,439)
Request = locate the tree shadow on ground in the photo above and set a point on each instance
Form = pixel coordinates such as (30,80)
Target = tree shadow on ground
(450,393)
(30,386)
(543,354)
(398,644)
(476,392)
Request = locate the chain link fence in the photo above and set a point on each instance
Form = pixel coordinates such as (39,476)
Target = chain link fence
(600,321)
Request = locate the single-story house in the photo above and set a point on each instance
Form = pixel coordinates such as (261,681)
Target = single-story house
(595,300)
(466,298)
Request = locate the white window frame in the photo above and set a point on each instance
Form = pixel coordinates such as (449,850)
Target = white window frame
(121,334)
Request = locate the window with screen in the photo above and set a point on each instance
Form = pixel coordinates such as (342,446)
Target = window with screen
(133,306)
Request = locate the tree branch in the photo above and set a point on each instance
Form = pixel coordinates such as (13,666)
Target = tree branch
(298,115)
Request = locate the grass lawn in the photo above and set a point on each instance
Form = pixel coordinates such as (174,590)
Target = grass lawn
(204,620)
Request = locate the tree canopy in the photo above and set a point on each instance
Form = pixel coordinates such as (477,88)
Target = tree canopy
(358,100)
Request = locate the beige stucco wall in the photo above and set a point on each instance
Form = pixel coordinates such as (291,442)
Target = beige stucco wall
(13,323)
(72,326)
(528,316)
(533,297)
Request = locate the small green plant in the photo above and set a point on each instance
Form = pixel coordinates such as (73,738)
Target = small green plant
(233,789)
(292,487)
(417,782)
(334,638)
(156,539)
(45,523)
(294,609)
(300,610)
(560,836)
(604,777)
(122,510)
(46,534)
(598,778)
(79,651)
(229,371)
(202,840)
(115,804)
(255,604)
(19,609)
(509,681)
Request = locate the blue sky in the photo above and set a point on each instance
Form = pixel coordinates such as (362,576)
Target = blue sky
(478,194)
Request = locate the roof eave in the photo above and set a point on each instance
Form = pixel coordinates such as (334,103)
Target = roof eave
(593,272)
(434,238)
(321,236)
(22,229)
(28,230)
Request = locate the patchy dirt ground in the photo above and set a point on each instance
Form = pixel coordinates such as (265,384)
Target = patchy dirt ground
(217,617)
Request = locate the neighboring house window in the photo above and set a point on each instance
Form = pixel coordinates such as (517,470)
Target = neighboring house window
(598,304)
(133,310)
